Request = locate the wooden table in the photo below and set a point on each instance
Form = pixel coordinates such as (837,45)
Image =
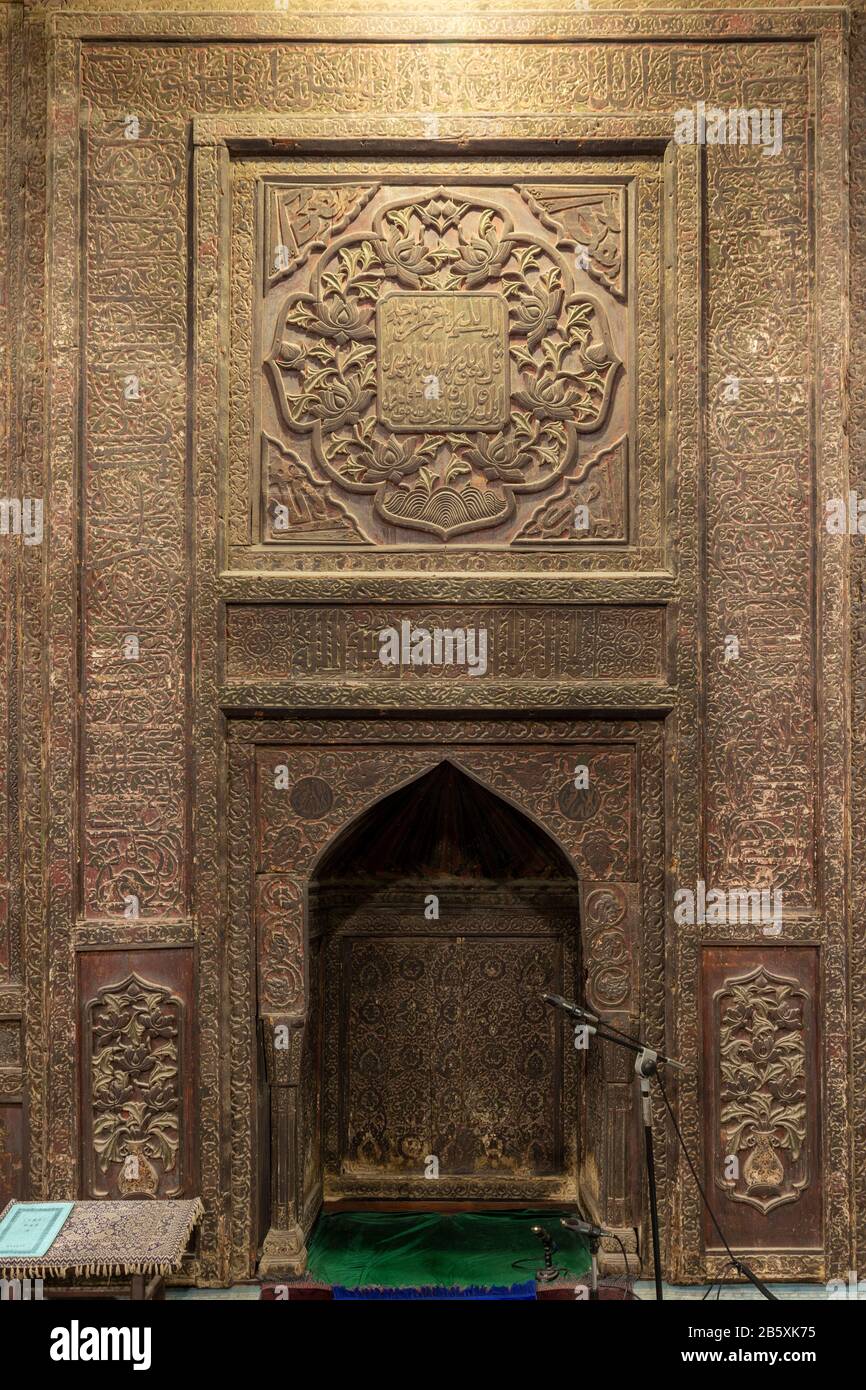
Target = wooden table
(112,1249)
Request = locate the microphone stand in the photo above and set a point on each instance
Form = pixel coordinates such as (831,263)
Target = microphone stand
(646,1066)
(593,1235)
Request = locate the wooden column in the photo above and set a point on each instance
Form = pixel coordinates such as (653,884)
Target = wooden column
(284,1250)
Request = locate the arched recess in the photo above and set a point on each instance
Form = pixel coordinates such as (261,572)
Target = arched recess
(360,1114)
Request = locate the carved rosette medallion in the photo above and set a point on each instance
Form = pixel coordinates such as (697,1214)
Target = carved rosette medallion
(763,1155)
(311,798)
(439,365)
(609,947)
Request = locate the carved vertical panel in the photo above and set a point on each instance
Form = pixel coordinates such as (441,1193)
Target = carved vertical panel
(13,1177)
(8,487)
(135,530)
(280,927)
(760,520)
(857,593)
(137,1073)
(611,927)
(762,1040)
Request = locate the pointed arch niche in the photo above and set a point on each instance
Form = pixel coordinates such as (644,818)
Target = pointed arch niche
(412,903)
(437,921)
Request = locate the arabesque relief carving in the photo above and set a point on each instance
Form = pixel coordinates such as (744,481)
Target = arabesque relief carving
(445,364)
(590,223)
(300,219)
(134,1041)
(762,1089)
(124,248)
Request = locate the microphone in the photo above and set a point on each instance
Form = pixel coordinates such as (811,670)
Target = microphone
(574,1009)
(583,1228)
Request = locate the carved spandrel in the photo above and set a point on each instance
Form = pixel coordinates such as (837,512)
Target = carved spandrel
(597,492)
(300,219)
(305,796)
(298,508)
(589,223)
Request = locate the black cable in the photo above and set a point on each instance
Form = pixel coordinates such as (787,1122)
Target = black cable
(627,1276)
(698,1185)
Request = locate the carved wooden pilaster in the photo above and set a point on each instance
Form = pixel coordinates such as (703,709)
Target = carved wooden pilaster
(284,1250)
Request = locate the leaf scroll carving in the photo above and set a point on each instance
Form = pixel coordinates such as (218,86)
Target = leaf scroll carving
(762,1088)
(135,1032)
(442,363)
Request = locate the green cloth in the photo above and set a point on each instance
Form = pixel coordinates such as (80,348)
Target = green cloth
(396,1250)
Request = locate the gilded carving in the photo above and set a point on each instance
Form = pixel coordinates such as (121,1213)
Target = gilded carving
(442,362)
(300,219)
(590,223)
(600,487)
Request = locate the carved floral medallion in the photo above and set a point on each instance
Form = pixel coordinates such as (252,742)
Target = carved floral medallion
(443,364)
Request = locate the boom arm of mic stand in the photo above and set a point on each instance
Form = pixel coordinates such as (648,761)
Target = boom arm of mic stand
(646,1066)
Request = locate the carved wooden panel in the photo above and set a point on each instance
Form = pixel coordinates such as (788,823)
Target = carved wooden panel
(571,457)
(310,1091)
(441,366)
(126,498)
(135,595)
(137,1073)
(590,642)
(762,1079)
(13,1175)
(760,580)
(446,1049)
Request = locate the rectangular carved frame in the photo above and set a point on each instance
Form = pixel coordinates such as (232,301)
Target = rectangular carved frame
(270,934)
